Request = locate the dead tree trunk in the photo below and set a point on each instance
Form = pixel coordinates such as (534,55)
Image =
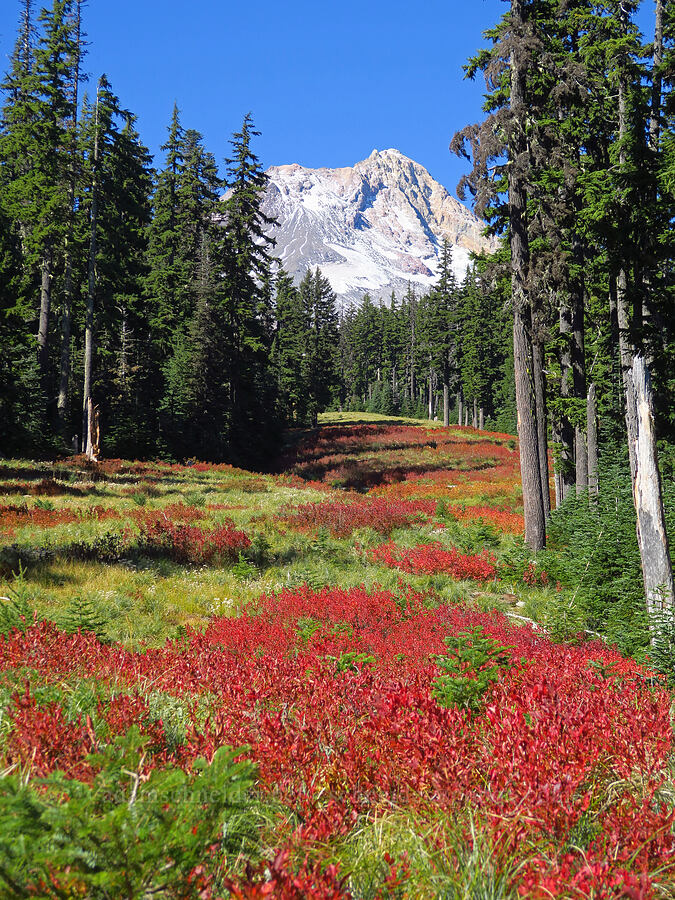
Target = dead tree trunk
(481,419)
(93,432)
(657,571)
(474,419)
(446,404)
(460,408)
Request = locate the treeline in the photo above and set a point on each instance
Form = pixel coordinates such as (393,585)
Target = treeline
(445,354)
(573,165)
(139,308)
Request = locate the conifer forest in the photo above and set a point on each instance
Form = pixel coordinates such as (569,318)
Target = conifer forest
(308,599)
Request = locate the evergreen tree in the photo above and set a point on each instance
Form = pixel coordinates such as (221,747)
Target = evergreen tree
(320,368)
(242,296)
(165,266)
(289,351)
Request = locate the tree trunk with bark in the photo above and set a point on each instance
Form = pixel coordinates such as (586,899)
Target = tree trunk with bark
(542,418)
(579,384)
(557,476)
(530,469)
(446,404)
(45,314)
(565,429)
(592,433)
(91,296)
(67,308)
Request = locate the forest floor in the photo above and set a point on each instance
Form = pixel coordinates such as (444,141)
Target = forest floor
(356,626)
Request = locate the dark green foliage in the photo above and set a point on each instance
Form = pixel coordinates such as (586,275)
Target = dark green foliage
(175,296)
(83,616)
(472,664)
(122,370)
(352,661)
(595,554)
(321,338)
(16,611)
(305,347)
(289,351)
(485,342)
(243,569)
(131,832)
(108,547)
(395,360)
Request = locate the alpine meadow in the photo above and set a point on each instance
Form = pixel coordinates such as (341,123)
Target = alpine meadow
(335,512)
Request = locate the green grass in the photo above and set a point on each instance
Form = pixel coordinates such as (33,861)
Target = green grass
(145,599)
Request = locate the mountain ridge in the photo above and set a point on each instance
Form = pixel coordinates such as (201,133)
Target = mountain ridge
(371,227)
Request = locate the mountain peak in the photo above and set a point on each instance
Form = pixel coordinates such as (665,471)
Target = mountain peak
(374,227)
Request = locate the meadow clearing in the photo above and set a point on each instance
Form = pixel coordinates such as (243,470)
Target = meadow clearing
(335,681)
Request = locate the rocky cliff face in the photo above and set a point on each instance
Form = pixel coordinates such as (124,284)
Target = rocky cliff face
(372,227)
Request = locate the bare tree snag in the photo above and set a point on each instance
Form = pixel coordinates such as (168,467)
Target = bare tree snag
(93,432)
(657,571)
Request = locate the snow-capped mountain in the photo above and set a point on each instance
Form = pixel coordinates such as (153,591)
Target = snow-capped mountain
(372,227)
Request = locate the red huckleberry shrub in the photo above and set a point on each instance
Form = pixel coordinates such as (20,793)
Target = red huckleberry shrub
(429,559)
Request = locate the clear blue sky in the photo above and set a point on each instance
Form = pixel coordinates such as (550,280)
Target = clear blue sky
(325,84)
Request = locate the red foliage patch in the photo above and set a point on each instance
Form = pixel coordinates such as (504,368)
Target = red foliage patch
(342,518)
(176,512)
(428,559)
(502,517)
(12,517)
(188,543)
(336,742)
